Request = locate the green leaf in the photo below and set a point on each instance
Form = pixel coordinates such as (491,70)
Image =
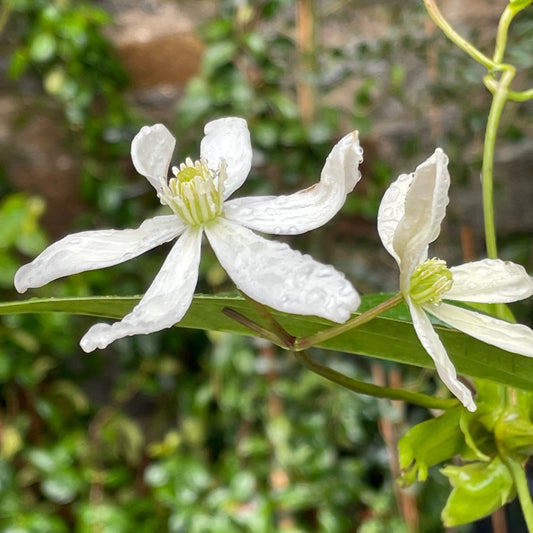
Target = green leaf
(287,108)
(479,489)
(390,336)
(218,55)
(62,486)
(18,64)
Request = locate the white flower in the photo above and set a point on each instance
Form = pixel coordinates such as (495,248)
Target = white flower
(409,220)
(268,271)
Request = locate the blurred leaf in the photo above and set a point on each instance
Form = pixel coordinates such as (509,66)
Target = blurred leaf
(266,133)
(105,517)
(62,486)
(8,267)
(44,460)
(256,43)
(123,438)
(54,80)
(42,47)
(18,64)
(168,446)
(390,336)
(217,29)
(218,55)
(195,103)
(68,393)
(10,442)
(286,106)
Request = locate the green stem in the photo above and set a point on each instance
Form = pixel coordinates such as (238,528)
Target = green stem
(287,340)
(520,480)
(254,326)
(461,42)
(503,30)
(317,338)
(362,387)
(284,340)
(487,172)
(520,96)
(510,11)
(516,96)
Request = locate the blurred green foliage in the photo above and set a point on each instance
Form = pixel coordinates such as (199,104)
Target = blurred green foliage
(252,67)
(62,41)
(237,438)
(170,431)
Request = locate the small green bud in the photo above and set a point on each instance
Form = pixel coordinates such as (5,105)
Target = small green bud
(479,489)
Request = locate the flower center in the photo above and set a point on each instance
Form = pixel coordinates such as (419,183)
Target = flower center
(195,193)
(430,281)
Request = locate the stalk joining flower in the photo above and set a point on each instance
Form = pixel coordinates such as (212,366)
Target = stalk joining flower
(409,220)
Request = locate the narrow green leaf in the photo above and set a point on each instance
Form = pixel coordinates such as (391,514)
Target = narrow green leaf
(388,337)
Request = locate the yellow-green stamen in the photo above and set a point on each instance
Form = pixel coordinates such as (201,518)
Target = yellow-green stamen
(430,280)
(195,193)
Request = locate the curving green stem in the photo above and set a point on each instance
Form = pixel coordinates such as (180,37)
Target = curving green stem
(362,387)
(510,11)
(256,328)
(516,96)
(518,473)
(503,29)
(284,340)
(460,41)
(487,171)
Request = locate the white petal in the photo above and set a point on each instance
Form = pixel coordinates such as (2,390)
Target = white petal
(515,338)
(425,207)
(490,281)
(151,152)
(434,347)
(165,302)
(228,139)
(274,274)
(90,250)
(391,211)
(307,209)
